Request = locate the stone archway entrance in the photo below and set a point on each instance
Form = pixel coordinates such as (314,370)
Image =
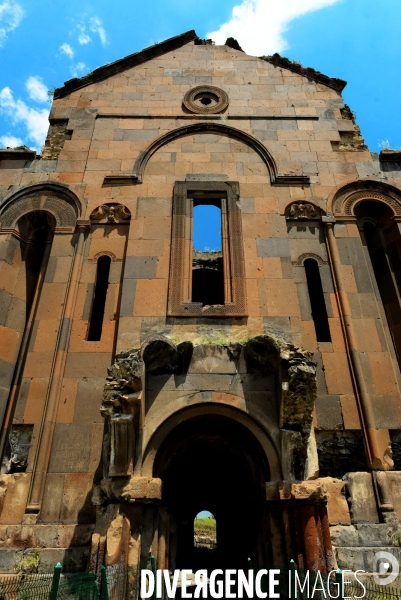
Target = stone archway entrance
(215,462)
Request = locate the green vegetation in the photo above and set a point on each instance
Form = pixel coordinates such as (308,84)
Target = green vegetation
(205,525)
(28,563)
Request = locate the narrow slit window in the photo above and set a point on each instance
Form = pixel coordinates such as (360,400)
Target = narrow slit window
(99,299)
(318,305)
(207,255)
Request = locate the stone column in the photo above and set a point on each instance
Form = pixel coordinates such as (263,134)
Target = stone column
(46,432)
(310,534)
(324,517)
(366,411)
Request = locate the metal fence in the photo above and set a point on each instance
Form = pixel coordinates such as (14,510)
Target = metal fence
(79,586)
(123,583)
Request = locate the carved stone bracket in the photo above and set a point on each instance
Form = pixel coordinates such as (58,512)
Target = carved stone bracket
(298,211)
(111,213)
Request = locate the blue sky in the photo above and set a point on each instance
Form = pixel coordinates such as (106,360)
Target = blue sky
(43,43)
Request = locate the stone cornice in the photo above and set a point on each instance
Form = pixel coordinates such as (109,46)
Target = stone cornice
(331,82)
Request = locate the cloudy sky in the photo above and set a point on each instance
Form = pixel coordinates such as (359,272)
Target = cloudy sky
(43,43)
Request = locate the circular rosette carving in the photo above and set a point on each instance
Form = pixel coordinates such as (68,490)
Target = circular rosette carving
(205,99)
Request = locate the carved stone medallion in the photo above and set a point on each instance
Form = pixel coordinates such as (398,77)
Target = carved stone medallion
(205,99)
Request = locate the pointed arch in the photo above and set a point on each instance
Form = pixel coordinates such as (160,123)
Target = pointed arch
(227,130)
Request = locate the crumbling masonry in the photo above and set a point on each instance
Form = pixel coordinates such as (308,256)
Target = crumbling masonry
(129,400)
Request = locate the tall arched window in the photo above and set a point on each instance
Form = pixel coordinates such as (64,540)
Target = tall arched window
(383,239)
(316,296)
(99,299)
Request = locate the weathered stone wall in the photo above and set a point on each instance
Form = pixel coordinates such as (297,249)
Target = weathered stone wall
(303,125)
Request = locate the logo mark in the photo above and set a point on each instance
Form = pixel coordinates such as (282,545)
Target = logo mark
(385,563)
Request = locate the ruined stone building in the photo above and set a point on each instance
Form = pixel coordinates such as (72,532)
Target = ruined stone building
(142,381)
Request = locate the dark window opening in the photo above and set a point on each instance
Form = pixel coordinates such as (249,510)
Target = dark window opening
(318,305)
(99,299)
(207,257)
(383,241)
(37,231)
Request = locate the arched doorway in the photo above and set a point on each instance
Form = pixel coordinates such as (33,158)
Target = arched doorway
(215,462)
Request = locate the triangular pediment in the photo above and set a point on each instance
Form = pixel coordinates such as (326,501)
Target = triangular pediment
(133,60)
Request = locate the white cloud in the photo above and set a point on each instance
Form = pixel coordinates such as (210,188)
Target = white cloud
(260,25)
(35,121)
(95,25)
(11,15)
(10,141)
(36,89)
(78,69)
(66,49)
(83,37)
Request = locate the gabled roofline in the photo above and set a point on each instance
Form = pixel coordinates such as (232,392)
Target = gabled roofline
(280,61)
(132,60)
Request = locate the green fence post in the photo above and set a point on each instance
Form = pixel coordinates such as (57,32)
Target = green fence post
(55,582)
(292,577)
(103,579)
(339,580)
(153,567)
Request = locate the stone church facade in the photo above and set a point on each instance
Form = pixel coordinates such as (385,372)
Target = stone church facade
(131,397)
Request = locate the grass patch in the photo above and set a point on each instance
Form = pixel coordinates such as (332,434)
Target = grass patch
(205,524)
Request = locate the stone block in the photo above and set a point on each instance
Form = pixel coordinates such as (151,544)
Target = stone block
(88,400)
(74,560)
(328,411)
(278,297)
(350,412)
(211,359)
(128,298)
(337,506)
(344,535)
(70,450)
(8,559)
(272,247)
(84,364)
(5,302)
(150,297)
(362,498)
(278,326)
(383,373)
(385,412)
(17,487)
(77,503)
(394,485)
(304,302)
(362,558)
(16,315)
(337,373)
